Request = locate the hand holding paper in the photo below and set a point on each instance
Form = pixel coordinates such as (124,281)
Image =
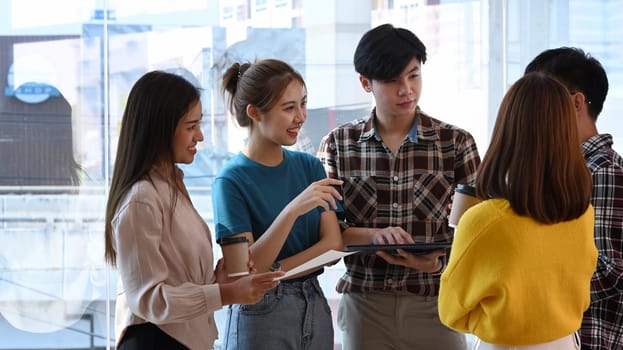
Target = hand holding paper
(320,260)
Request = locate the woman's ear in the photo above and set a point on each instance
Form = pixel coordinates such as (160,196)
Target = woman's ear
(254,113)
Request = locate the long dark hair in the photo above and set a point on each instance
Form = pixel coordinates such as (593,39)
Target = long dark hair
(157,101)
(535,159)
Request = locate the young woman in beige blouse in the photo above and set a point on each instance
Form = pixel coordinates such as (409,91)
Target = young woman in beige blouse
(168,286)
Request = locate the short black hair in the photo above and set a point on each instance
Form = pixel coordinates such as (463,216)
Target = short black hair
(578,71)
(385,51)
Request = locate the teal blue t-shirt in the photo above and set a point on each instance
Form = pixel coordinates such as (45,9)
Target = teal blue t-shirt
(247,197)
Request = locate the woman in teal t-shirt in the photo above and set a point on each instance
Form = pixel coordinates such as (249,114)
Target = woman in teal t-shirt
(283,202)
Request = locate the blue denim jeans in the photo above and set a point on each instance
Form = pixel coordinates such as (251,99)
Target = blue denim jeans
(292,316)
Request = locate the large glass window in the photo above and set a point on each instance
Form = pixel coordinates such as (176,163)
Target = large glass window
(66,68)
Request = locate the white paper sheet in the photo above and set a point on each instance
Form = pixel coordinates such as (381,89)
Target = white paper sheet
(320,260)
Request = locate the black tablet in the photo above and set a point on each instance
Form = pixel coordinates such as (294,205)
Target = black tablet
(413,248)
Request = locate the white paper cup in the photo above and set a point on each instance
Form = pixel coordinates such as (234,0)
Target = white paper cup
(236,255)
(464,198)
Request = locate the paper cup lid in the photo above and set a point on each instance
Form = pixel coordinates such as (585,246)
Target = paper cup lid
(466,189)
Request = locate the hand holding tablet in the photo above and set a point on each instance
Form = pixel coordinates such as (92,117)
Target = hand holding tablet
(424,257)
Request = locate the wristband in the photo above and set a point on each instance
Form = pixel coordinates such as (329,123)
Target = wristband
(276,266)
(441,269)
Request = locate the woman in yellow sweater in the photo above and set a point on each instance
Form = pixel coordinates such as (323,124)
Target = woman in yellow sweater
(519,272)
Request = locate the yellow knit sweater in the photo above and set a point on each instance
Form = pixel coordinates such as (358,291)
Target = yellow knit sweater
(514,281)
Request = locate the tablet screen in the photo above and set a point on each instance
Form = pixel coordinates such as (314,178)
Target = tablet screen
(413,248)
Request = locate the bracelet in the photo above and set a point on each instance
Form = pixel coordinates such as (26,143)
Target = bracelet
(441,269)
(276,266)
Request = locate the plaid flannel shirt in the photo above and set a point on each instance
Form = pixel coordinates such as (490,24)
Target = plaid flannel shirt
(411,189)
(602,326)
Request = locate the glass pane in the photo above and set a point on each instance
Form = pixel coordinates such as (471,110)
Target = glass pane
(534,26)
(52,275)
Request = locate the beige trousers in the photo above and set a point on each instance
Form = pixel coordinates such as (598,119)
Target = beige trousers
(384,321)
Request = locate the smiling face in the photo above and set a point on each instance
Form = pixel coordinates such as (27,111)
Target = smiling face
(187,134)
(282,123)
(399,96)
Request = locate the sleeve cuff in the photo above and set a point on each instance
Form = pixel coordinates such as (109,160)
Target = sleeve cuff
(212,294)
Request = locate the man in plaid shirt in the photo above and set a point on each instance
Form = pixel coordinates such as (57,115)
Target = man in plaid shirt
(602,326)
(399,168)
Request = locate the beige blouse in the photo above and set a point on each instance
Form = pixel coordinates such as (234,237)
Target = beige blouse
(165,263)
